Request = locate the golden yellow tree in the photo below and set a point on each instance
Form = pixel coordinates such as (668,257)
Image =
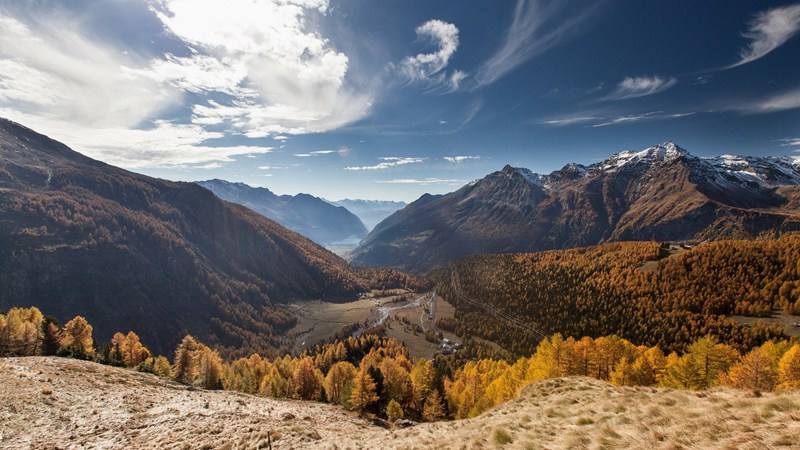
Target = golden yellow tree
(339,382)
(789,369)
(185,366)
(433,410)
(754,371)
(396,381)
(76,338)
(307,379)
(394,411)
(20,332)
(363,391)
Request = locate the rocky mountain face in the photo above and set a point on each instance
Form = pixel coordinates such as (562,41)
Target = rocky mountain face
(371,212)
(310,216)
(78,236)
(659,193)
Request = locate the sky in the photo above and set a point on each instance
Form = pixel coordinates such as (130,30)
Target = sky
(392,99)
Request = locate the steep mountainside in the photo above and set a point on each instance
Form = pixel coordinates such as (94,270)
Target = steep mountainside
(78,236)
(660,193)
(45,403)
(310,216)
(371,212)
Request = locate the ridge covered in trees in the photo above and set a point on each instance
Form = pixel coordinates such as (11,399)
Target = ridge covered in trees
(372,374)
(643,291)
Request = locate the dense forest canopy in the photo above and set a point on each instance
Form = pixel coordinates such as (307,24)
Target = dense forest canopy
(651,293)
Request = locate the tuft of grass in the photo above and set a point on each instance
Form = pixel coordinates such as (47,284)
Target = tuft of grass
(501,436)
(585,421)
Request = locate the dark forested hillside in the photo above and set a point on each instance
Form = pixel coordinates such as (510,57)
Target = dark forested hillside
(644,291)
(662,193)
(310,216)
(162,258)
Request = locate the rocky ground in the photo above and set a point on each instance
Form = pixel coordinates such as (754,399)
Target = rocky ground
(62,403)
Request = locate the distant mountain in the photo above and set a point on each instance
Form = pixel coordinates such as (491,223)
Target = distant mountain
(310,216)
(78,236)
(662,193)
(371,212)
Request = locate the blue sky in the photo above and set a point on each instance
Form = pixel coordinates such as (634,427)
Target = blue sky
(391,99)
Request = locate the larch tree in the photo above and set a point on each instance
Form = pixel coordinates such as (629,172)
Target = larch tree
(76,338)
(789,369)
(394,411)
(339,382)
(755,371)
(432,410)
(307,379)
(185,367)
(363,391)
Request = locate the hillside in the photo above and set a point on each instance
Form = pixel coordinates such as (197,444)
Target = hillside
(371,212)
(651,293)
(64,403)
(660,193)
(78,236)
(310,216)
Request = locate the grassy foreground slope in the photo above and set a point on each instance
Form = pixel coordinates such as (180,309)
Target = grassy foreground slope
(65,403)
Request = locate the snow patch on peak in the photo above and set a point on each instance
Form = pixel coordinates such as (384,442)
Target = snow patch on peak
(765,171)
(658,153)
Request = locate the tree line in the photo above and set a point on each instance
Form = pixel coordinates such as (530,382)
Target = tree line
(373,374)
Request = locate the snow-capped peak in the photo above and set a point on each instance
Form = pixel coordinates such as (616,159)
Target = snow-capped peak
(665,152)
(764,170)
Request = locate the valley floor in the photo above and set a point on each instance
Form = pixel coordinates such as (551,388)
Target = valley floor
(64,403)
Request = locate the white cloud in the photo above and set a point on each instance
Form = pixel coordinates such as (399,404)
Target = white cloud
(252,67)
(166,144)
(56,72)
(769,30)
(343,151)
(460,158)
(388,162)
(632,87)
(779,102)
(570,120)
(421,181)
(653,115)
(533,30)
(791,142)
(430,68)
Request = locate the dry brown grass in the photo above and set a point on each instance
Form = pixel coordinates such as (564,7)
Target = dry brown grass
(48,402)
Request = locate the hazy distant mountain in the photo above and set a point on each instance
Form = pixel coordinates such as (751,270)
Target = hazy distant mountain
(371,212)
(127,251)
(661,193)
(310,216)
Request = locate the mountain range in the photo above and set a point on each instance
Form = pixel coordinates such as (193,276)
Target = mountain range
(313,217)
(78,236)
(371,212)
(659,193)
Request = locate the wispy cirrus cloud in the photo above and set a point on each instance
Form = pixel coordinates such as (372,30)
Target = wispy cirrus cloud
(537,26)
(653,115)
(599,119)
(791,142)
(343,151)
(633,87)
(430,68)
(460,158)
(767,31)
(388,162)
(782,101)
(421,181)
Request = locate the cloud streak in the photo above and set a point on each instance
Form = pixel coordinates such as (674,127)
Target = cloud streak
(460,158)
(633,87)
(769,30)
(421,181)
(387,162)
(534,29)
